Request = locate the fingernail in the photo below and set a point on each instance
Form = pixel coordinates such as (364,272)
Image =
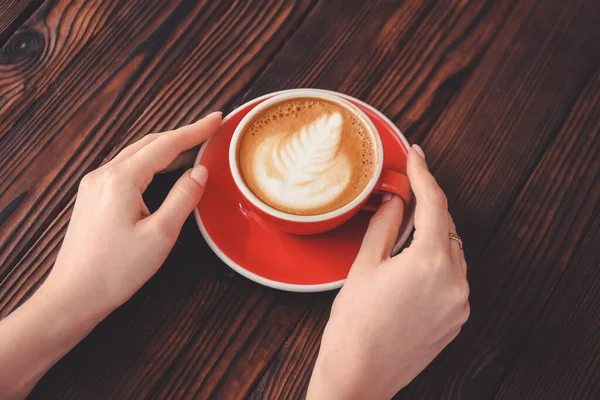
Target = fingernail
(200,174)
(214,114)
(419,150)
(386,197)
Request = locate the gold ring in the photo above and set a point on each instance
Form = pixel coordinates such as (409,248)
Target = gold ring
(456,238)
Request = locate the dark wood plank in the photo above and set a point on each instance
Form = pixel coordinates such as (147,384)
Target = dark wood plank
(288,375)
(524,260)
(512,109)
(561,91)
(119,358)
(175,346)
(40,50)
(223,55)
(407,59)
(107,87)
(460,148)
(81,66)
(561,360)
(232,347)
(187,356)
(12,15)
(569,324)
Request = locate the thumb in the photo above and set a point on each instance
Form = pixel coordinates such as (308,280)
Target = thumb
(382,233)
(181,201)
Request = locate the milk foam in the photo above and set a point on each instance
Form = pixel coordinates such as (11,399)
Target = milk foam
(307,156)
(303,170)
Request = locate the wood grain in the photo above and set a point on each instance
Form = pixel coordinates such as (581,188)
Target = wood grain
(569,323)
(518,270)
(187,366)
(561,359)
(40,51)
(237,341)
(463,141)
(486,86)
(107,94)
(511,110)
(32,162)
(227,53)
(142,332)
(289,373)
(406,59)
(243,290)
(12,15)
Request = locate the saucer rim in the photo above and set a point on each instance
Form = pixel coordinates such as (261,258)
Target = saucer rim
(292,287)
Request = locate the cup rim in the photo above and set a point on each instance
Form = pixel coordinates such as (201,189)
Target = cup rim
(252,198)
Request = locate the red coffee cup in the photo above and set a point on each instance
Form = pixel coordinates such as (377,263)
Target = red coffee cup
(382,181)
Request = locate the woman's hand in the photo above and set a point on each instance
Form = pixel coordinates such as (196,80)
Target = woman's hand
(112,247)
(395,315)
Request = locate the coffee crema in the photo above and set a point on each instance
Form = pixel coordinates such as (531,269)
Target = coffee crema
(307,156)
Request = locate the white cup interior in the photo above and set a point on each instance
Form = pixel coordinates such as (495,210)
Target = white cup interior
(303,93)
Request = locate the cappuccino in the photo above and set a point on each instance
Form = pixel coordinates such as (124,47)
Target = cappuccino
(307,156)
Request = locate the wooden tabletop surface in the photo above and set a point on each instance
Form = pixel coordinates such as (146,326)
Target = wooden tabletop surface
(504,96)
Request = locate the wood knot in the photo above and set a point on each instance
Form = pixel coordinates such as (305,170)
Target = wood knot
(23,45)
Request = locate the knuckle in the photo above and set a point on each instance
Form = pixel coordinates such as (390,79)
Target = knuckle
(461,291)
(87,181)
(466,313)
(170,143)
(335,306)
(438,197)
(152,136)
(94,178)
(340,304)
(188,190)
(184,193)
(112,177)
(149,138)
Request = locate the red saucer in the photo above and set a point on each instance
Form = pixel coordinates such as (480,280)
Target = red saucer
(266,255)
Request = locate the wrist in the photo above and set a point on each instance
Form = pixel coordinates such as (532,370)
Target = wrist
(36,335)
(75,290)
(71,317)
(339,376)
(346,369)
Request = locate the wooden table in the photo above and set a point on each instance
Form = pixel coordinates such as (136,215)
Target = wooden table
(503,95)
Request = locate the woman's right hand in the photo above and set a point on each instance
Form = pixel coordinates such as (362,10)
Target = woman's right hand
(395,315)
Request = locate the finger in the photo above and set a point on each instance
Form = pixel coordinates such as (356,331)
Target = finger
(133,148)
(431,209)
(185,159)
(157,155)
(456,254)
(382,232)
(180,202)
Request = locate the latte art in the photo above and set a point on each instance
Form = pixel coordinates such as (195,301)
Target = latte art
(304,169)
(307,156)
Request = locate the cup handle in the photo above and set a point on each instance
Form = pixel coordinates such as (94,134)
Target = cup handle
(391,182)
